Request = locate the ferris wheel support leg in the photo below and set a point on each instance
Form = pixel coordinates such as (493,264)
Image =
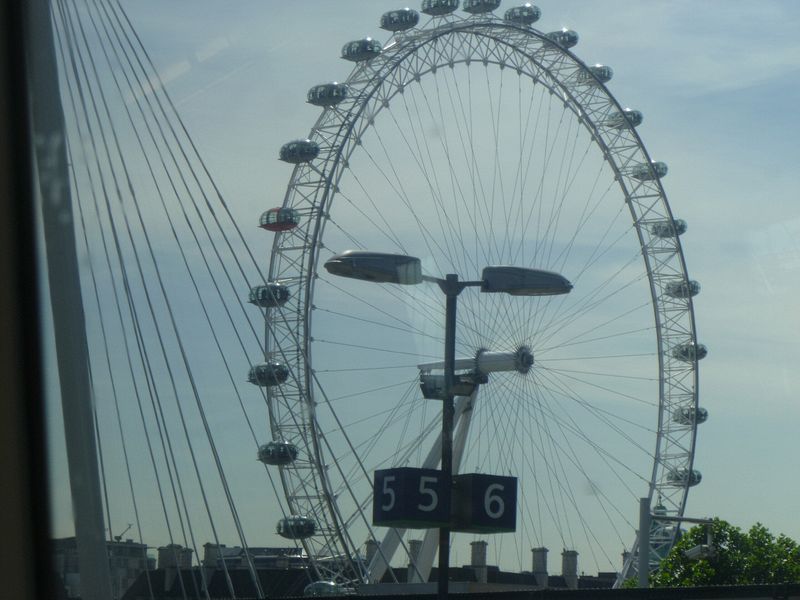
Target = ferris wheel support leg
(462,429)
(393,537)
(430,543)
(386,549)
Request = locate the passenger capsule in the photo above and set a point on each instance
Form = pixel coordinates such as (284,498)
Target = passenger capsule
(659,510)
(667,229)
(439,8)
(566,38)
(689,352)
(627,118)
(270,295)
(296,527)
(268,374)
(682,289)
(399,20)
(595,73)
(299,151)
(279,219)
(327,94)
(479,7)
(688,415)
(277,453)
(527,14)
(688,477)
(360,50)
(324,588)
(649,172)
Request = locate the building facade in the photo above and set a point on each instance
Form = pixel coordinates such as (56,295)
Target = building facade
(127,560)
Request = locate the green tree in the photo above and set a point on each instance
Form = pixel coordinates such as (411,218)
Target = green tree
(739,557)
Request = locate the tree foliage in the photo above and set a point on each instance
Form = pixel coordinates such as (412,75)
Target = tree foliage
(740,558)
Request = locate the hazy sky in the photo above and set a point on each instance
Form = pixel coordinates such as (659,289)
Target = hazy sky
(718,83)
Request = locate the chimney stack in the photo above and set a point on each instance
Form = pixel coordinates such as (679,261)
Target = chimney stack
(478,561)
(540,566)
(212,555)
(569,568)
(175,556)
(172,558)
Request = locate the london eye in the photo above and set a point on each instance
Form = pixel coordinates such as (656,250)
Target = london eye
(470,138)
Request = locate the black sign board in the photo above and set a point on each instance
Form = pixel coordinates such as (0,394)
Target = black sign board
(410,498)
(484,503)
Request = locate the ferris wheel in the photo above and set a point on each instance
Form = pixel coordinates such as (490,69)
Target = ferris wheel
(472,140)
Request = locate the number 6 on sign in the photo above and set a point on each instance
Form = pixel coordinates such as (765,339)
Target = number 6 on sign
(491,499)
(484,503)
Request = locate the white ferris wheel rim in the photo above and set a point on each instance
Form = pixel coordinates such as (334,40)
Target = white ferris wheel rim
(296,254)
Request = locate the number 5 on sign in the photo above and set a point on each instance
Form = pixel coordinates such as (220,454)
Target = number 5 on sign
(427,487)
(388,493)
(410,498)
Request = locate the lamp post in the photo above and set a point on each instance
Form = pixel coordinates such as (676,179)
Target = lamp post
(645,523)
(407,270)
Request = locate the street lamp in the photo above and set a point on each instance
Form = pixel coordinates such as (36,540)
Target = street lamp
(646,519)
(407,270)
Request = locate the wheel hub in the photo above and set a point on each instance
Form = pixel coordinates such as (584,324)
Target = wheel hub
(487,361)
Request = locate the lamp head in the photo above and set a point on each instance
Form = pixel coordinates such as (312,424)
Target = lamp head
(519,281)
(376,266)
